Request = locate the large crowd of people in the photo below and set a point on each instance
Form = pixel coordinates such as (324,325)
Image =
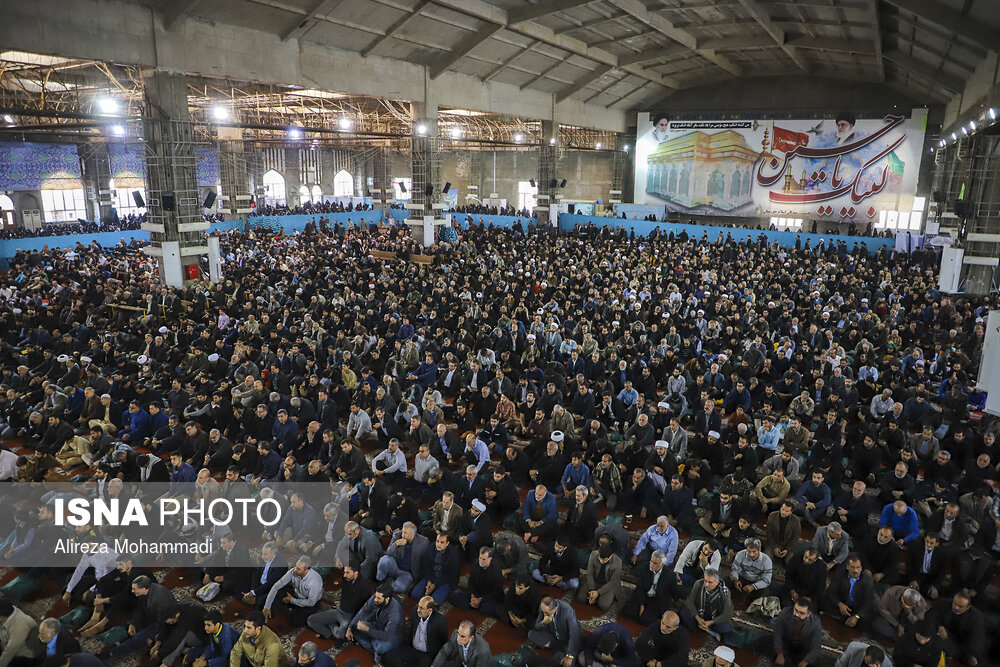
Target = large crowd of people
(683,434)
(311,208)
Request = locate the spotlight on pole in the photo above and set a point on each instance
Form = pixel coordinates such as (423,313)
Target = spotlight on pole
(108,105)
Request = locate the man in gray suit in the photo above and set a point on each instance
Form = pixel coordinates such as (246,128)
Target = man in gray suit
(402,564)
(860,654)
(558,630)
(464,649)
(362,544)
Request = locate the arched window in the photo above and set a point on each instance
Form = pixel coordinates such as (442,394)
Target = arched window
(317,194)
(746,184)
(343,184)
(672,187)
(685,185)
(274,184)
(734,186)
(304,196)
(716,185)
(6,211)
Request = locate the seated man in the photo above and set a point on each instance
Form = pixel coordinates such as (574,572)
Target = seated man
(609,644)
(813,498)
(257,646)
(798,635)
(725,510)
(557,566)
(903,521)
(661,537)
(603,576)
(663,644)
(485,587)
(354,592)
(557,630)
(960,626)
(222,637)
(851,595)
(446,517)
(751,573)
(581,517)
(464,649)
(298,593)
(805,576)
(925,565)
(832,543)
(539,516)
(440,571)
(698,556)
(378,625)
(230,567)
(404,560)
(851,508)
(677,504)
(426,634)
(652,595)
(771,491)
(782,532)
(709,606)
(899,609)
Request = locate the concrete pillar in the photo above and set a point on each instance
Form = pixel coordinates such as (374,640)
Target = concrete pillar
(547,165)
(293,180)
(175,221)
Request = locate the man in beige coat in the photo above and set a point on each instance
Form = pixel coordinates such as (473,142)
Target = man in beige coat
(18,634)
(257,643)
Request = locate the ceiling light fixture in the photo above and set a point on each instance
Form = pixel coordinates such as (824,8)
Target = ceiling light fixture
(552,141)
(8,119)
(344,123)
(421,129)
(972,125)
(294,133)
(993,114)
(518,137)
(220,112)
(118,130)
(598,145)
(108,105)
(626,148)
(456,132)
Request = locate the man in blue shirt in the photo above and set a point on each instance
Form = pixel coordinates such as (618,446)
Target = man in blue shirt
(902,519)
(577,473)
(813,498)
(181,475)
(221,638)
(661,536)
(768,436)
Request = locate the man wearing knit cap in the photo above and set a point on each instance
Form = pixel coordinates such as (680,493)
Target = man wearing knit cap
(722,657)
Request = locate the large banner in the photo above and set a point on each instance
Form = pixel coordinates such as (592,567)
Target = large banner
(841,168)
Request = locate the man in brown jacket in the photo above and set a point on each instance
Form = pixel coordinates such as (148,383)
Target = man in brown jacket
(258,644)
(603,577)
(771,491)
(783,530)
(446,517)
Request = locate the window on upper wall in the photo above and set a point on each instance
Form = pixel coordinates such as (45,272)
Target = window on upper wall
(317,194)
(343,184)
(274,185)
(406,183)
(6,211)
(121,199)
(787,224)
(527,196)
(63,205)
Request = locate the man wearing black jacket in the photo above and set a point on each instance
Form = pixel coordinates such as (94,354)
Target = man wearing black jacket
(374,502)
(152,600)
(520,604)
(426,633)
(230,566)
(181,626)
(485,586)
(805,576)
(354,592)
(960,626)
(850,595)
(652,595)
(880,555)
(726,510)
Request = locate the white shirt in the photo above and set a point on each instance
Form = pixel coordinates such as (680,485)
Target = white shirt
(8,465)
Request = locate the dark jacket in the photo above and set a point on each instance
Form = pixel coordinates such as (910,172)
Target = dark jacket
(437,632)
(809,645)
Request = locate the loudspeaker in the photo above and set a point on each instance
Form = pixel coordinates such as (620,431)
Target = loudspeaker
(553,183)
(563,184)
(137,198)
(402,187)
(958,207)
(209,199)
(447,186)
(168,201)
(938,197)
(532,181)
(428,190)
